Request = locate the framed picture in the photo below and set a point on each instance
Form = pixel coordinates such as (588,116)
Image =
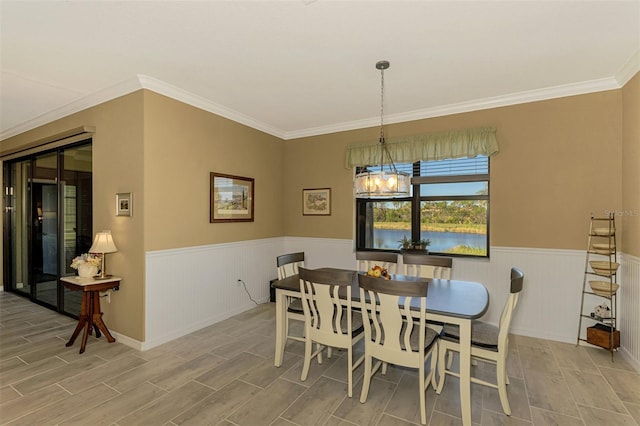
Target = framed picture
(231,198)
(316,202)
(124,204)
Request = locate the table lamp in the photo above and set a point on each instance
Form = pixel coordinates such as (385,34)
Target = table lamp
(103,244)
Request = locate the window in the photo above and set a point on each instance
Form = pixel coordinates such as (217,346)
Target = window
(449,206)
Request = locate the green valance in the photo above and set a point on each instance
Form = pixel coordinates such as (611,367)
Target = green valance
(429,147)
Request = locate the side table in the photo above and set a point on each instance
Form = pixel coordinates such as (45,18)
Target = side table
(90,314)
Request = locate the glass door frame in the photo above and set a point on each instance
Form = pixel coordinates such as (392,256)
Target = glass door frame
(11,196)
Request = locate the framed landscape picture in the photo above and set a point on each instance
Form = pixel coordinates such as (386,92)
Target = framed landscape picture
(316,202)
(231,198)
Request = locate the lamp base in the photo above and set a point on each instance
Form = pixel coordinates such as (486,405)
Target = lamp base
(100,277)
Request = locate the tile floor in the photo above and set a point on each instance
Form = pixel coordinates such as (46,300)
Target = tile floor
(224,375)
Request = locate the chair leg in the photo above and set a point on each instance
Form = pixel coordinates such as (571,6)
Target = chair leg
(349,371)
(308,345)
(502,387)
(423,394)
(433,364)
(318,349)
(384,368)
(442,368)
(366,380)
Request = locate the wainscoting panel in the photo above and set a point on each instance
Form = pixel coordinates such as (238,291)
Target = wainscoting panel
(629,302)
(188,289)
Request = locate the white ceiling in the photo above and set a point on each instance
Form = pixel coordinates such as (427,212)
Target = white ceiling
(298,68)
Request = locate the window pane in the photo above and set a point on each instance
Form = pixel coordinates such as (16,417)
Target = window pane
(386,223)
(463,188)
(456,226)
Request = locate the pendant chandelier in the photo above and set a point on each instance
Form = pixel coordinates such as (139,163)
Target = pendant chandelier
(383,183)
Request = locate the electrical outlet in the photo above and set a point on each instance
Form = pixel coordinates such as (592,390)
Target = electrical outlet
(106,295)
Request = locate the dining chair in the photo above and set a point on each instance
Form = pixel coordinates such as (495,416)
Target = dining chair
(369,259)
(395,333)
(329,321)
(288,265)
(489,343)
(427,266)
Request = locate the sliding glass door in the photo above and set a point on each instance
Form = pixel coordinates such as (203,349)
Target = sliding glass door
(48,221)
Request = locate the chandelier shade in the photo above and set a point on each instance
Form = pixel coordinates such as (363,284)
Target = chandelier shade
(383,183)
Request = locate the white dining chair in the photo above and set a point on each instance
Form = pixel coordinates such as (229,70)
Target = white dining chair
(288,265)
(369,259)
(427,266)
(329,321)
(489,343)
(395,333)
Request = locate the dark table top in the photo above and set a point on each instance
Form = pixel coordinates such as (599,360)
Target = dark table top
(453,298)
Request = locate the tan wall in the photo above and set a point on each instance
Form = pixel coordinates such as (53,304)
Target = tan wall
(117,167)
(553,170)
(631,167)
(183,145)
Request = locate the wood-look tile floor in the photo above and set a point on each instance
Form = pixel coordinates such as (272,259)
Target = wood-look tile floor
(224,375)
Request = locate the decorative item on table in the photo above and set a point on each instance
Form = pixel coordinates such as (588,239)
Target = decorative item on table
(103,244)
(86,264)
(379,272)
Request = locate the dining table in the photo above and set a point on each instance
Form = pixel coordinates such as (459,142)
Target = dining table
(448,301)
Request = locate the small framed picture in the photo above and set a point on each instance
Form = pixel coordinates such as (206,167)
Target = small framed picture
(316,202)
(124,204)
(231,198)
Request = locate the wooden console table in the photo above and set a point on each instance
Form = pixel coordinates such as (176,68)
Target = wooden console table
(90,314)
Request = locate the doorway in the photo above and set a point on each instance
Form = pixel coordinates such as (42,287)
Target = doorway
(48,221)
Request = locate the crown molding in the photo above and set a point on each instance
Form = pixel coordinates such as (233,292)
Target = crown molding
(476,105)
(197,101)
(145,82)
(115,91)
(629,69)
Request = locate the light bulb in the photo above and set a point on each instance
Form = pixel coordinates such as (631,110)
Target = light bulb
(391,183)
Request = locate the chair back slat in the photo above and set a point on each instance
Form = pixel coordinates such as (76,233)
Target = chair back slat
(427,266)
(388,317)
(288,264)
(369,259)
(322,301)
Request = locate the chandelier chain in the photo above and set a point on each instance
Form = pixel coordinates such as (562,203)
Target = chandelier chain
(382,106)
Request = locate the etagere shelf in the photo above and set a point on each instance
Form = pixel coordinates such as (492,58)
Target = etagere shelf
(597,326)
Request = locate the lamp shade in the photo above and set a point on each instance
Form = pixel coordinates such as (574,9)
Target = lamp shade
(103,243)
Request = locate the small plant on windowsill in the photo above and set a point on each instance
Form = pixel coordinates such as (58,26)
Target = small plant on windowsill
(405,243)
(423,244)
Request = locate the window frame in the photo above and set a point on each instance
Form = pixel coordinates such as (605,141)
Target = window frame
(415,201)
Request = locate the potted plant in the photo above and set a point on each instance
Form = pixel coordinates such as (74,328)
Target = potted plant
(423,244)
(405,243)
(87,265)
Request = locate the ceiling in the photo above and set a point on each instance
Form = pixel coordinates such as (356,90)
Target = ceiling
(299,68)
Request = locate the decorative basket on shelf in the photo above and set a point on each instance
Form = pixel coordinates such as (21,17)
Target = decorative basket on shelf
(604,232)
(604,267)
(603,288)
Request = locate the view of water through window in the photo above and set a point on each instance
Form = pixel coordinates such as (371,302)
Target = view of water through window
(443,242)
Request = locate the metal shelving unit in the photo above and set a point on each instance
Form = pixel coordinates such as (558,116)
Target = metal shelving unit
(600,285)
